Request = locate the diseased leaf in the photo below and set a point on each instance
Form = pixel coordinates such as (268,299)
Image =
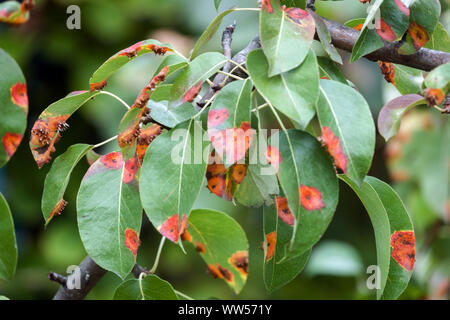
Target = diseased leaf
(277,235)
(294,93)
(209,32)
(110,213)
(58,178)
(286,36)
(394,20)
(224,252)
(439,78)
(99,79)
(328,69)
(170,117)
(171,177)
(13,107)
(15,13)
(348,131)
(390,115)
(394,235)
(150,287)
(440,40)
(8,247)
(308,180)
(407,80)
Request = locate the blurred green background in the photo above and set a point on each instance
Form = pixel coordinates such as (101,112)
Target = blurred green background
(56,60)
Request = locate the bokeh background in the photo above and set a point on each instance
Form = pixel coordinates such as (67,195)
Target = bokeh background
(56,60)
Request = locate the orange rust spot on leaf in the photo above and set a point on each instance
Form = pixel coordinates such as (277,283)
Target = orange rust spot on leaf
(217,117)
(98,85)
(172,228)
(325,78)
(132,241)
(266,5)
(297,15)
(238,172)
(358,27)
(200,247)
(388,70)
(144,96)
(158,50)
(227,275)
(42,154)
(434,97)
(128,136)
(131,51)
(311,198)
(271,240)
(216,185)
(146,136)
(334,148)
(418,34)
(273,157)
(214,271)
(402,7)
(26,5)
(19,95)
(112,160)
(193,92)
(283,210)
(130,170)
(186,236)
(59,208)
(11,142)
(384,30)
(239,260)
(403,248)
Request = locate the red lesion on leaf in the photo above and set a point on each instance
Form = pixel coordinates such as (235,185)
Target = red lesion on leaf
(19,95)
(384,30)
(129,135)
(284,213)
(364,1)
(193,92)
(271,240)
(216,176)
(186,236)
(311,198)
(325,78)
(273,157)
(112,160)
(403,8)
(200,247)
(434,97)
(418,34)
(59,208)
(358,27)
(159,50)
(217,117)
(334,148)
(130,170)
(238,172)
(388,70)
(403,248)
(216,185)
(172,228)
(132,241)
(98,85)
(132,50)
(144,95)
(239,260)
(266,5)
(146,136)
(226,274)
(11,142)
(214,271)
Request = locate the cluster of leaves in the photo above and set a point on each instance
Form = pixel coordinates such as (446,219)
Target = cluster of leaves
(327,133)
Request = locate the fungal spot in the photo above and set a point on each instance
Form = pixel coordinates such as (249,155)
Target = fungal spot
(11,142)
(418,34)
(172,228)
(388,70)
(358,27)
(403,8)
(98,85)
(384,30)
(284,213)
(131,51)
(200,247)
(364,1)
(186,236)
(266,5)
(42,154)
(58,209)
(19,96)
(226,274)
(238,172)
(217,117)
(130,170)
(297,15)
(214,271)
(239,260)
(112,160)
(128,136)
(146,136)
(311,198)
(403,249)
(434,97)
(217,185)
(273,157)
(334,148)
(193,92)
(132,241)
(144,95)
(158,50)
(271,240)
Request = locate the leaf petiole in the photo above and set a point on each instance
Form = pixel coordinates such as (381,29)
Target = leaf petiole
(158,255)
(116,97)
(104,142)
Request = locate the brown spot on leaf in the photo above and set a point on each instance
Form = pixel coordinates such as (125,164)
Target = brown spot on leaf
(334,148)
(227,275)
(60,206)
(186,236)
(238,172)
(200,247)
(158,50)
(214,271)
(132,241)
(112,160)
(130,170)
(418,34)
(271,240)
(388,70)
(98,85)
(216,185)
(239,260)
(283,210)
(146,136)
(19,95)
(131,51)
(11,142)
(434,97)
(193,92)
(403,248)
(384,30)
(311,198)
(144,95)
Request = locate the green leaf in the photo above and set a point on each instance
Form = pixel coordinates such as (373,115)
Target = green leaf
(286,36)
(325,37)
(209,33)
(294,93)
(217,4)
(8,248)
(110,213)
(13,106)
(330,70)
(439,78)
(345,114)
(394,234)
(3,298)
(277,235)
(151,287)
(170,117)
(188,84)
(121,58)
(407,80)
(171,177)
(58,178)
(440,40)
(174,63)
(11,13)
(222,244)
(390,115)
(308,180)
(368,40)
